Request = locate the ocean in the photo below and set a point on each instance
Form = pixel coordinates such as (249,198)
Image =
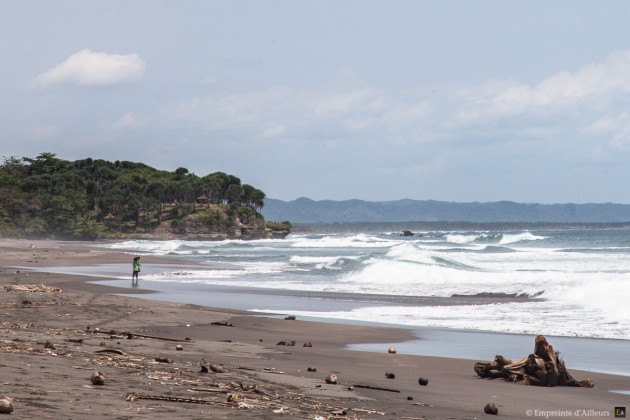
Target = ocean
(554,282)
(564,283)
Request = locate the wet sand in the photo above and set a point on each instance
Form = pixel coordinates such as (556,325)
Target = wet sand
(54,338)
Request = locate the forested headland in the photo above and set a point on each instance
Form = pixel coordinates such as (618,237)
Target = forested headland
(48,197)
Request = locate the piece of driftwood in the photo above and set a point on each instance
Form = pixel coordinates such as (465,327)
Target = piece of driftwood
(378,388)
(222,391)
(135,396)
(131,335)
(31,288)
(114,351)
(222,323)
(363,410)
(543,367)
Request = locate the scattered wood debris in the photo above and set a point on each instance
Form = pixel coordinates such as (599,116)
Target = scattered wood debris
(41,288)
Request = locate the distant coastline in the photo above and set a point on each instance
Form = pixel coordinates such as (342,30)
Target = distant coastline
(418,227)
(431,213)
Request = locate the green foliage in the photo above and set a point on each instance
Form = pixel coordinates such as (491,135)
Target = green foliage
(89,198)
(278,225)
(182,210)
(213,219)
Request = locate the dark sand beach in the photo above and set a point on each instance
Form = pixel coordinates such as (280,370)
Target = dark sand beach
(57,329)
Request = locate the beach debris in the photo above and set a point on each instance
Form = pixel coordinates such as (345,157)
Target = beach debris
(543,367)
(377,388)
(290,318)
(390,375)
(491,408)
(273,370)
(130,335)
(163,360)
(135,396)
(311,369)
(235,398)
(6,405)
(41,288)
(49,345)
(286,343)
(179,347)
(423,381)
(391,350)
(112,351)
(307,344)
(27,303)
(97,378)
(331,379)
(217,368)
(409,398)
(222,323)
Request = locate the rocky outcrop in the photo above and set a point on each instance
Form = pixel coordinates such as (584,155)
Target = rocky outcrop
(197,226)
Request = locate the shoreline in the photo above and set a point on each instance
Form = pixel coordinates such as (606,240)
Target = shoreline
(248,350)
(590,354)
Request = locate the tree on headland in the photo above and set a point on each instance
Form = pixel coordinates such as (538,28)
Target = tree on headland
(47,196)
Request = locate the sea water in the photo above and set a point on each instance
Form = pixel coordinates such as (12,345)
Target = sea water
(569,282)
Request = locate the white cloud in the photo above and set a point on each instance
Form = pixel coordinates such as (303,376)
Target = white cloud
(611,75)
(274,131)
(129,120)
(344,102)
(89,68)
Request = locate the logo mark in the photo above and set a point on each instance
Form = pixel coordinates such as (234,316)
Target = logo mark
(620,412)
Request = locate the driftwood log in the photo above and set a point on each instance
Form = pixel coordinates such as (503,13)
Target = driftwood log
(543,367)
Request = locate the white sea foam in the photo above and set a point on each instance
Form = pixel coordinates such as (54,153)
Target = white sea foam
(520,318)
(583,284)
(345,241)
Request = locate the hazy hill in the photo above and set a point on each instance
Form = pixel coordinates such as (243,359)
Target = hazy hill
(305,210)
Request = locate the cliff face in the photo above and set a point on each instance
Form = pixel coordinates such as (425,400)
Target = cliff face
(245,231)
(196,226)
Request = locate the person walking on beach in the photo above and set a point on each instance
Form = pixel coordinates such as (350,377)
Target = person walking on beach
(136,270)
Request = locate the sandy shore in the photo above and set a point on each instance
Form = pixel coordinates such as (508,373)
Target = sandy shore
(54,337)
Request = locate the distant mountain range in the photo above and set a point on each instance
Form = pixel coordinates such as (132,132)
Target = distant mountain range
(304,210)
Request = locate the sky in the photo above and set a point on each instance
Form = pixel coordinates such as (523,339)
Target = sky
(464,101)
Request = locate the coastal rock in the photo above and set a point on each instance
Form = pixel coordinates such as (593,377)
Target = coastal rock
(311,369)
(390,375)
(331,379)
(491,408)
(217,368)
(391,350)
(235,398)
(423,381)
(307,344)
(179,347)
(6,405)
(97,378)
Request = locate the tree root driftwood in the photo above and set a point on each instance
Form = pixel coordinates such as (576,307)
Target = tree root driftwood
(541,368)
